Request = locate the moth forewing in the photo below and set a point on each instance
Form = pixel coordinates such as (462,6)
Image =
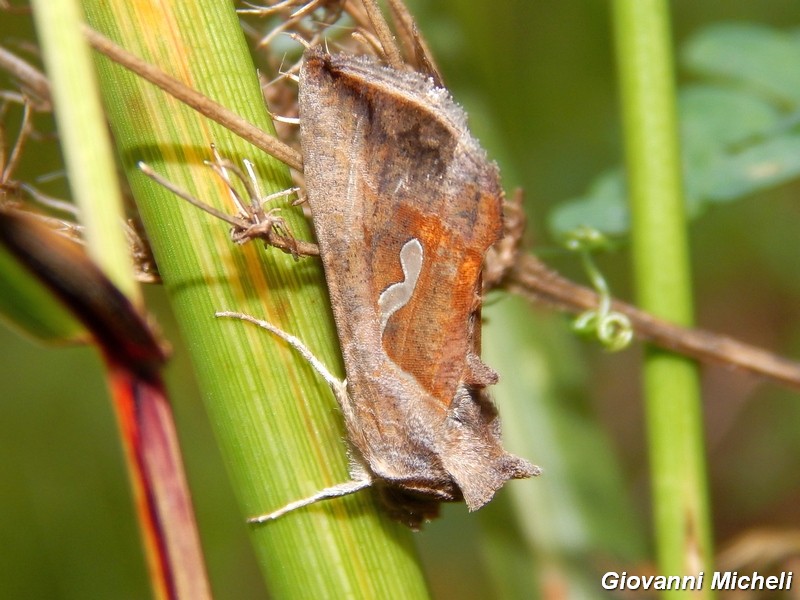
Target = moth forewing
(405,206)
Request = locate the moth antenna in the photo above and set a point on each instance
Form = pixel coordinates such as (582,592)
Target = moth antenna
(336,491)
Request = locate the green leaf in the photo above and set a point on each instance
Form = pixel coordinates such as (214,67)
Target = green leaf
(713,117)
(766,165)
(755,56)
(603,208)
(735,137)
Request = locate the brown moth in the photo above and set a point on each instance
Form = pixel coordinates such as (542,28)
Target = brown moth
(405,206)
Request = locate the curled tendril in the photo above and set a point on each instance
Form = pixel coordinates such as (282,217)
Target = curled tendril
(612,329)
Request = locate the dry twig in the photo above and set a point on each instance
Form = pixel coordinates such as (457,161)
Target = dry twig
(527,276)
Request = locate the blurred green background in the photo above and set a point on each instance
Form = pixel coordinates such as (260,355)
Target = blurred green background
(537,79)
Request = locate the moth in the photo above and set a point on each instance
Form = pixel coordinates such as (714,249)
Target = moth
(405,206)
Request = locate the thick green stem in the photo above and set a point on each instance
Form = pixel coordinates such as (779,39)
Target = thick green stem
(276,421)
(661,263)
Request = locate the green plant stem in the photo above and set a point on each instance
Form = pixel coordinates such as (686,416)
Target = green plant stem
(661,264)
(276,421)
(147,431)
(84,138)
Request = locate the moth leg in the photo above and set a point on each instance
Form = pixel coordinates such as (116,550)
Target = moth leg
(361,478)
(336,491)
(338,386)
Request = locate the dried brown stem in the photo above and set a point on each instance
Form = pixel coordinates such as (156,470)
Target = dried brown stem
(413,41)
(32,80)
(202,104)
(10,164)
(532,279)
(384,34)
(528,277)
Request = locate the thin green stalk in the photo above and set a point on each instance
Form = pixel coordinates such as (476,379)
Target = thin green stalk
(166,518)
(84,138)
(661,264)
(278,428)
